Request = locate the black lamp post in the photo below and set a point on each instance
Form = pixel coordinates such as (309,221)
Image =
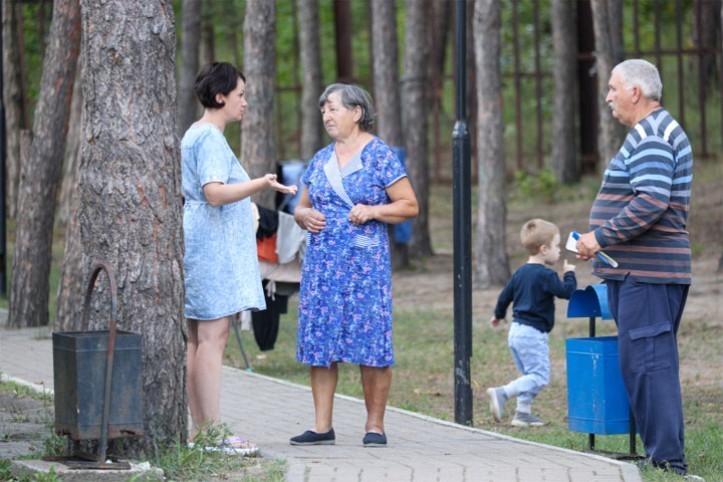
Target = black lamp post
(462,231)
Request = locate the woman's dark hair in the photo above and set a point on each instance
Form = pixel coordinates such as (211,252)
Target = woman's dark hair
(216,78)
(351,96)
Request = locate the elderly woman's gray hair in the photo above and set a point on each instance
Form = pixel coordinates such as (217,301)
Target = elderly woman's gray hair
(351,96)
(643,74)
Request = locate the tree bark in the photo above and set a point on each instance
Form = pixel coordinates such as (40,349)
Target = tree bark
(720,261)
(565,162)
(188,106)
(706,32)
(414,118)
(438,25)
(309,45)
(257,128)
(491,263)
(130,195)
(207,49)
(71,286)
(40,176)
(611,132)
(13,102)
(71,159)
(386,88)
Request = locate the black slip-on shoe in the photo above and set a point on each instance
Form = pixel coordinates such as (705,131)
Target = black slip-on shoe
(373,439)
(312,438)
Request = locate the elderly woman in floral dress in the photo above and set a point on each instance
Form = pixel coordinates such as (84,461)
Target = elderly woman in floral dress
(354,188)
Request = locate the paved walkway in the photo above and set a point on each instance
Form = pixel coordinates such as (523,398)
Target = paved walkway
(421,448)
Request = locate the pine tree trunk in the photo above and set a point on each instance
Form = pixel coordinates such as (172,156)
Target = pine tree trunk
(438,32)
(188,106)
(611,132)
(71,286)
(565,163)
(207,49)
(491,263)
(130,195)
(258,152)
(40,175)
(414,119)
(71,161)
(386,89)
(13,102)
(309,44)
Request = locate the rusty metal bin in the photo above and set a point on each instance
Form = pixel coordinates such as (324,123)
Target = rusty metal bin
(98,378)
(80,363)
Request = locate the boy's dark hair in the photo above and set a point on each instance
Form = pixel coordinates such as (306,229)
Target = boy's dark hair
(216,78)
(537,233)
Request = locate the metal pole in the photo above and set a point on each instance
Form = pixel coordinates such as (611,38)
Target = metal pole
(3,149)
(462,233)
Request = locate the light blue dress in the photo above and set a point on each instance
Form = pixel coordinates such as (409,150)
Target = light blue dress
(221,269)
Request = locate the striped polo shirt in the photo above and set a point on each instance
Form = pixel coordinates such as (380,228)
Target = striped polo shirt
(640,214)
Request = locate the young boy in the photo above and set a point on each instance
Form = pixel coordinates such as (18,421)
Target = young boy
(532,290)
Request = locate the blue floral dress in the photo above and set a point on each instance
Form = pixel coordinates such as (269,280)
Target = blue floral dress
(345,302)
(221,268)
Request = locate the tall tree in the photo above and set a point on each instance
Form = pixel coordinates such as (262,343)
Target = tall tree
(310,49)
(386,90)
(607,41)
(257,128)
(14,101)
(491,263)
(720,261)
(71,286)
(207,48)
(40,175)
(130,194)
(565,163)
(438,32)
(190,41)
(71,161)
(414,117)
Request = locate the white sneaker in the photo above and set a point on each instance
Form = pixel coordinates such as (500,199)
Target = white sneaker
(526,420)
(497,402)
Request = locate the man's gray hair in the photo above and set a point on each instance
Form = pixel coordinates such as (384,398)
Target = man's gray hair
(351,96)
(643,74)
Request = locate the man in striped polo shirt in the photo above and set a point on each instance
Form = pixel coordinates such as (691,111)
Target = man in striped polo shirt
(639,218)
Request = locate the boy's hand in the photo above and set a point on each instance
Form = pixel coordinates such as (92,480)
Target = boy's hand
(495,322)
(568,267)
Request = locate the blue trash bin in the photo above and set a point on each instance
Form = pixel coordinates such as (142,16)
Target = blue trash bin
(597,402)
(596,398)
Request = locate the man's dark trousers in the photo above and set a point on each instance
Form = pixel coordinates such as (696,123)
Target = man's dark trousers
(648,316)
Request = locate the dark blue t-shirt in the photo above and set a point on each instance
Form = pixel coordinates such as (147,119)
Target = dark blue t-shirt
(532,290)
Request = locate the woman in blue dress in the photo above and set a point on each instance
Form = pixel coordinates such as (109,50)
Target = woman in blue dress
(354,188)
(221,271)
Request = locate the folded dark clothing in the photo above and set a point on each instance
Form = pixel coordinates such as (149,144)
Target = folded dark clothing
(268,222)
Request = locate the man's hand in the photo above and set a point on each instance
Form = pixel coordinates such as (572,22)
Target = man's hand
(587,246)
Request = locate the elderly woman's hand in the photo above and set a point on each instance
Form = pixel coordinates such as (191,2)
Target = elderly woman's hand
(311,220)
(361,214)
